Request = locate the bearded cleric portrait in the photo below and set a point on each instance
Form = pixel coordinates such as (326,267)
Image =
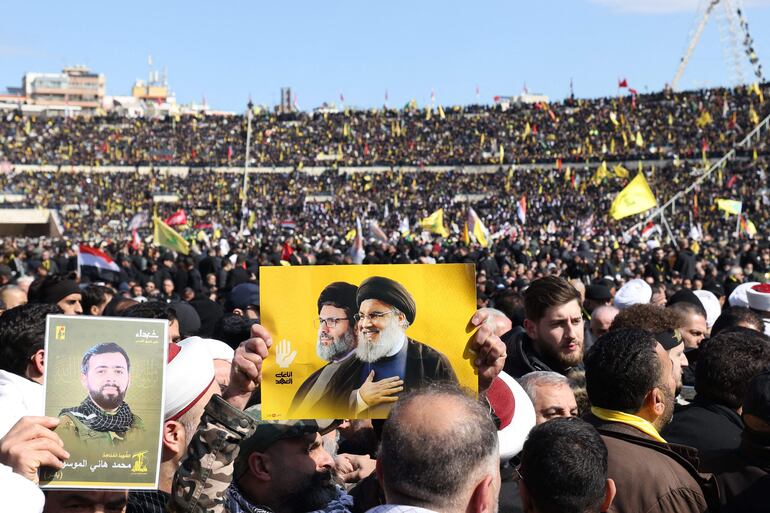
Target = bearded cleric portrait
(371,345)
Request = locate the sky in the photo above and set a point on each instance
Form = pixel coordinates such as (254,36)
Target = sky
(229,51)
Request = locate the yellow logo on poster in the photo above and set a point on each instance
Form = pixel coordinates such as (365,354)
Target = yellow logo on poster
(60,331)
(140,466)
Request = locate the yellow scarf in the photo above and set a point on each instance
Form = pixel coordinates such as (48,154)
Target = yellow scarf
(626,418)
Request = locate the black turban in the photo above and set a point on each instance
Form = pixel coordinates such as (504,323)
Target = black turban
(340,293)
(390,292)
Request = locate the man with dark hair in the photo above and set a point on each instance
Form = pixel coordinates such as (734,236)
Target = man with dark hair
(95,299)
(630,382)
(694,328)
(737,316)
(552,339)
(336,340)
(564,469)
(103,417)
(22,361)
(664,324)
(726,364)
(446,462)
(156,310)
(742,472)
(58,289)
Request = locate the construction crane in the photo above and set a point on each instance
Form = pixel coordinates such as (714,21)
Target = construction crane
(731,23)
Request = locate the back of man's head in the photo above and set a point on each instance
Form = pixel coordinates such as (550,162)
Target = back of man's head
(564,468)
(546,293)
(621,368)
(688,308)
(736,316)
(438,446)
(727,362)
(652,318)
(22,334)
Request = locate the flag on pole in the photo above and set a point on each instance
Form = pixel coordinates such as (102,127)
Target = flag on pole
(177,218)
(620,171)
(747,226)
(167,237)
(730,206)
(635,198)
(434,223)
(521,209)
(97,265)
(138,221)
(622,83)
(357,253)
(649,229)
(476,228)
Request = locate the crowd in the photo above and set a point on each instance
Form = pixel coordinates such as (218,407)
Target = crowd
(650,126)
(618,424)
(643,355)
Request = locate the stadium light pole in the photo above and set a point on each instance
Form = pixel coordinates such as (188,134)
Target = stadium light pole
(249,113)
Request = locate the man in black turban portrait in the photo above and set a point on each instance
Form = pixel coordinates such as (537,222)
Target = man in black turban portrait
(386,360)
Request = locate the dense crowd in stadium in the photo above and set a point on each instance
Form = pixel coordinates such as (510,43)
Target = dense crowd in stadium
(619,321)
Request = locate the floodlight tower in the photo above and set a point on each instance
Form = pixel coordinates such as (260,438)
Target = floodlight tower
(732,27)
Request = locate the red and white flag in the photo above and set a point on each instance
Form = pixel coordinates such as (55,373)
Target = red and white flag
(89,256)
(521,209)
(177,218)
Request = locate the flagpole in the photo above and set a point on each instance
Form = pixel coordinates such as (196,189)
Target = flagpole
(246,166)
(738,225)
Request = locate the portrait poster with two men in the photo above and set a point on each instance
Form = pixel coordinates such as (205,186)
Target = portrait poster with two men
(349,340)
(104,380)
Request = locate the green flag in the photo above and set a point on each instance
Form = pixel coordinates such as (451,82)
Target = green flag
(168,237)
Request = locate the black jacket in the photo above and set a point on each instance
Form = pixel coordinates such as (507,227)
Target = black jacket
(742,474)
(522,357)
(705,425)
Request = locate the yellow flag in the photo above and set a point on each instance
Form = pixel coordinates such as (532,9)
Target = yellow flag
(670,119)
(704,119)
(428,113)
(612,145)
(502,154)
(168,237)
(601,173)
(730,206)
(527,129)
(474,225)
(441,112)
(614,118)
(755,157)
(756,90)
(753,116)
(350,235)
(636,197)
(434,223)
(625,139)
(620,171)
(639,140)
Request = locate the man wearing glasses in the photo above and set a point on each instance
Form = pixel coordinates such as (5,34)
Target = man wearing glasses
(386,360)
(335,344)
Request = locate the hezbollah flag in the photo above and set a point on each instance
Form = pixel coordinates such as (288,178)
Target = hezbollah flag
(635,198)
(730,206)
(434,223)
(167,237)
(476,228)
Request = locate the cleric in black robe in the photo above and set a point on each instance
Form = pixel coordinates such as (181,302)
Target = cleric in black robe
(384,356)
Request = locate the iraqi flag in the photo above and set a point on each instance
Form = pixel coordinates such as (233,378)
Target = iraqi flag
(97,265)
(521,209)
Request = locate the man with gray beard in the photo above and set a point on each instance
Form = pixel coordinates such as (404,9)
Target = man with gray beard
(387,361)
(335,344)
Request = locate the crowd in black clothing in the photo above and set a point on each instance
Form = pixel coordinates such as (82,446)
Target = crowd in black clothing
(649,126)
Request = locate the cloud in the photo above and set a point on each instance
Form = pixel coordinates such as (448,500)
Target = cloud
(663,6)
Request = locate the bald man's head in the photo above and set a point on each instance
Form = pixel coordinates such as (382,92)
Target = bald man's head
(439,427)
(601,319)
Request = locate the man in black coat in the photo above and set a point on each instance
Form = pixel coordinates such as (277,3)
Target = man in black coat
(744,473)
(553,334)
(726,363)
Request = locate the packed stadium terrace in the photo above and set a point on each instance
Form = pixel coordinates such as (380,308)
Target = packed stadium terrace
(566,202)
(646,126)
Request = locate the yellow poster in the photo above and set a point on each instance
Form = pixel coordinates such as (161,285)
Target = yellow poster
(349,340)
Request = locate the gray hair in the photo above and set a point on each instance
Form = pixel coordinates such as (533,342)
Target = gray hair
(410,453)
(530,382)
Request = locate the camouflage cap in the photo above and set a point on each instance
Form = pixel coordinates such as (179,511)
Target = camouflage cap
(267,432)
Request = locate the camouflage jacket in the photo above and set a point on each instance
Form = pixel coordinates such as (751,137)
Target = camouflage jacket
(200,483)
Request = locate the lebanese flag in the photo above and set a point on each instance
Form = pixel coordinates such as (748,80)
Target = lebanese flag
(177,218)
(96,264)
